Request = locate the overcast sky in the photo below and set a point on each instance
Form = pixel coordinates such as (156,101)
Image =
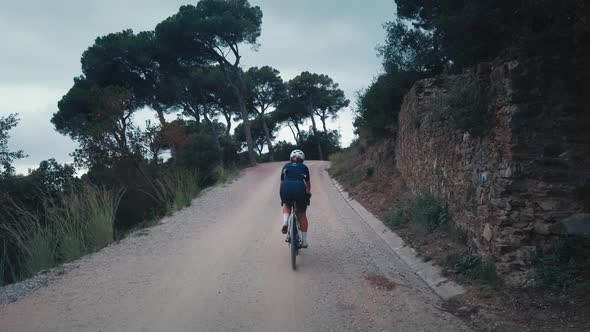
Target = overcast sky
(42,42)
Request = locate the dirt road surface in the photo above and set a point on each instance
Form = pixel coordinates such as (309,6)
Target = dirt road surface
(222,265)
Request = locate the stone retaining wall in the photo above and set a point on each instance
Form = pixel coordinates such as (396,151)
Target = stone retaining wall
(514,187)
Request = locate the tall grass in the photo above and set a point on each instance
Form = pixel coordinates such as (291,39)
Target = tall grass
(101,213)
(181,186)
(33,240)
(225,175)
(340,166)
(340,162)
(41,248)
(64,229)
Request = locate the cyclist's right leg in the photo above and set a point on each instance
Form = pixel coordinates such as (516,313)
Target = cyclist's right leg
(303,222)
(286,213)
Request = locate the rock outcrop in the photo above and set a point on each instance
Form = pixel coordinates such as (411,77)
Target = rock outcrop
(515,187)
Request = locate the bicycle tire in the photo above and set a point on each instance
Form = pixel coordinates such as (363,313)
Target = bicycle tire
(294,239)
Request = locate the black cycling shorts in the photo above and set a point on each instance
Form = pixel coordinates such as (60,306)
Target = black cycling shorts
(302,201)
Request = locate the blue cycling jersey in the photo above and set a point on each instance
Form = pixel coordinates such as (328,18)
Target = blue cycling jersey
(295,172)
(294,176)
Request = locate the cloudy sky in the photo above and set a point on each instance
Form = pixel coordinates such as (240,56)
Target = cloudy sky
(42,42)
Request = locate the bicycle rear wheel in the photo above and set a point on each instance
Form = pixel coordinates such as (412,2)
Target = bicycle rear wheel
(294,239)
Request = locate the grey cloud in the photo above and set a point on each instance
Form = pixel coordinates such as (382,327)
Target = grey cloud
(35,135)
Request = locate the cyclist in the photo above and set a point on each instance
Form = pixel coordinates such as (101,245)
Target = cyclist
(296,186)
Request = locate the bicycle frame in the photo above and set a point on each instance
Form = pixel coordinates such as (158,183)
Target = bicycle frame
(294,236)
(293,217)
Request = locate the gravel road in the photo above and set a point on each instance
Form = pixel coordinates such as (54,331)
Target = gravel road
(222,265)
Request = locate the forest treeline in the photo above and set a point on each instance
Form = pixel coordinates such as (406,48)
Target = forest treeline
(189,69)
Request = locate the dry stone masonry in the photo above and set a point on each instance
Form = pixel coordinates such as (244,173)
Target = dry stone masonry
(519,185)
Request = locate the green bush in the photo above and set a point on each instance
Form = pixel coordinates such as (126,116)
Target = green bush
(283,150)
(330,144)
(229,152)
(424,211)
(379,105)
(472,267)
(427,213)
(464,105)
(396,218)
(201,155)
(563,264)
(342,164)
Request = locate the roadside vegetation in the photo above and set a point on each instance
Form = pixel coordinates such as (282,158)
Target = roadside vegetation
(427,40)
(564,264)
(464,105)
(455,42)
(429,219)
(62,229)
(340,166)
(187,73)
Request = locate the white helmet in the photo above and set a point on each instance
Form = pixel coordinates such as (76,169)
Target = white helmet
(297,153)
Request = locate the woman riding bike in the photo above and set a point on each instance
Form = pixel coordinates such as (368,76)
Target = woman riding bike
(296,187)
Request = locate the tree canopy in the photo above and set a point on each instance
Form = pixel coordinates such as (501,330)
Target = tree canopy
(265,89)
(212,31)
(99,119)
(467,32)
(430,37)
(319,95)
(7,156)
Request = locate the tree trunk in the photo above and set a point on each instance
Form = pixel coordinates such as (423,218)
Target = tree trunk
(267,134)
(259,148)
(298,138)
(293,132)
(121,137)
(156,152)
(212,128)
(160,116)
(324,126)
(190,110)
(163,123)
(237,84)
(326,137)
(315,133)
(228,126)
(240,92)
